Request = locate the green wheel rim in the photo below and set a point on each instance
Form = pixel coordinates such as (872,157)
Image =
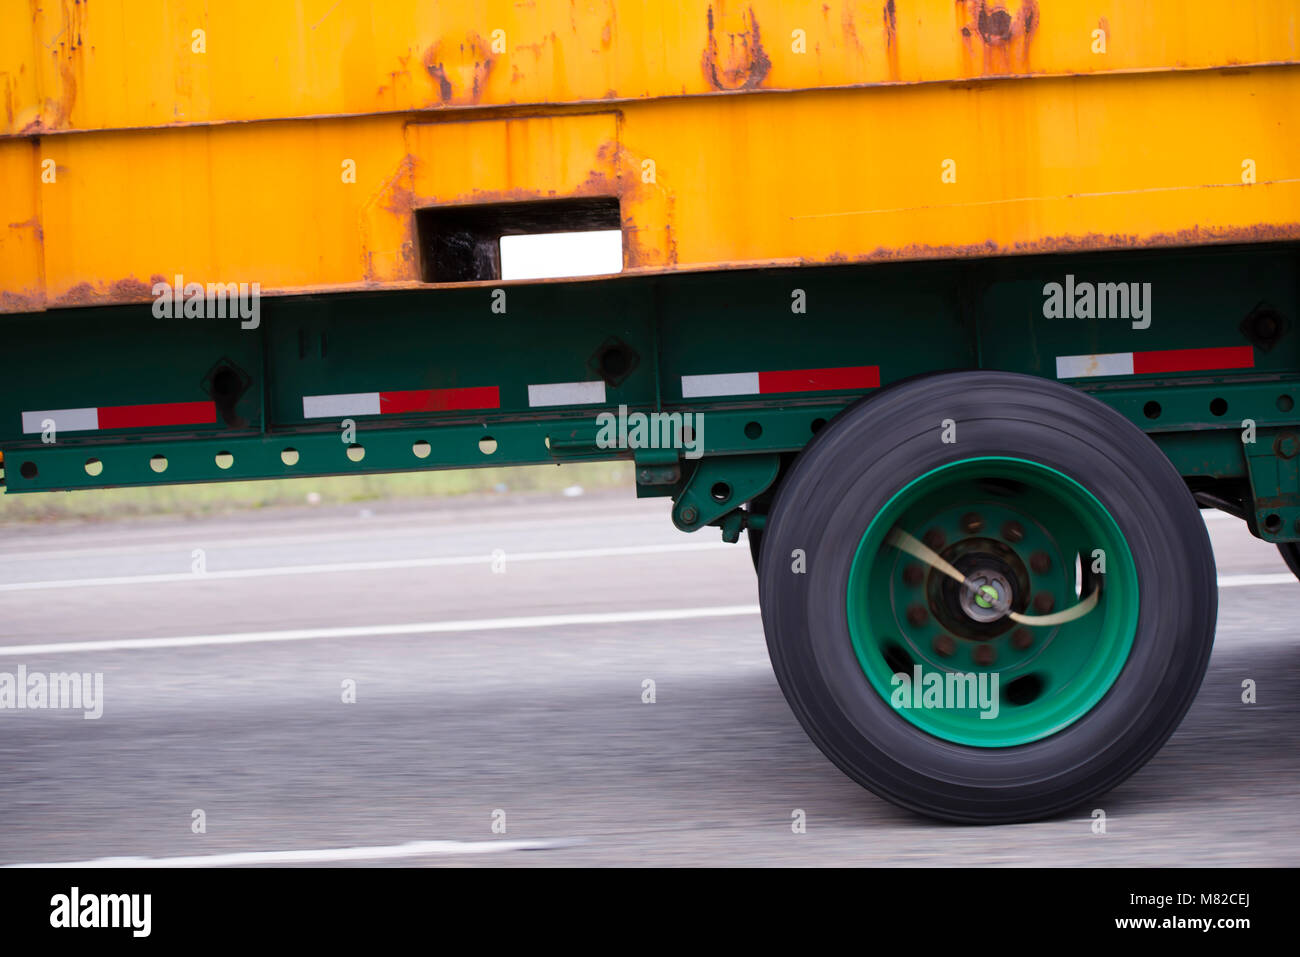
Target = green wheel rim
(1037,542)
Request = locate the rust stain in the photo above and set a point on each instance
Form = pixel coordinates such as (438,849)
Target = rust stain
(459,70)
(82,294)
(744,64)
(21,302)
(1004,35)
(129,290)
(126,290)
(848,27)
(34,224)
(400,196)
(890,17)
(1196,236)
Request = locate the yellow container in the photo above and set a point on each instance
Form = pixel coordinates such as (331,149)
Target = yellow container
(291,144)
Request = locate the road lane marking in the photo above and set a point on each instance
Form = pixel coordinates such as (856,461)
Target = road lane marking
(1241,581)
(337,567)
(384,631)
(319,855)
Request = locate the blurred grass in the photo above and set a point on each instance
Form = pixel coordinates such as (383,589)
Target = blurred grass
(214,498)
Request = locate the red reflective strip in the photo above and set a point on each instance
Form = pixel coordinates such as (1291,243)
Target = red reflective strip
(164,413)
(440,400)
(819,380)
(1193,360)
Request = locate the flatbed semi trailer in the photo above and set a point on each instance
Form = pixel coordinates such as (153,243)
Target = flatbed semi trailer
(957,311)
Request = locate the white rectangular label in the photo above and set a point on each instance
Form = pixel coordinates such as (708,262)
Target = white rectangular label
(65,420)
(594,252)
(566,393)
(336,406)
(732,383)
(1082,367)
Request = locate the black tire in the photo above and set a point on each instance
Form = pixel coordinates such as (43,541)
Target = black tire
(846,475)
(1290,552)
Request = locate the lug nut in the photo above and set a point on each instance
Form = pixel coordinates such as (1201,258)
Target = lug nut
(912,575)
(935,539)
(917,615)
(984,655)
(1040,562)
(944,645)
(1021,639)
(1013,532)
(1044,603)
(972,523)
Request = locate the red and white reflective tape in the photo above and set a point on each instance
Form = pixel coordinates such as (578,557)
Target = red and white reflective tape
(344,404)
(1157,362)
(785,380)
(446,400)
(122,417)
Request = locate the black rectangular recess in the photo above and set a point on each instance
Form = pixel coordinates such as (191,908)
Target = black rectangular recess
(463,243)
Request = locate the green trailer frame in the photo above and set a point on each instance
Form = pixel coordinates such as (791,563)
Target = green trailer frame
(640,336)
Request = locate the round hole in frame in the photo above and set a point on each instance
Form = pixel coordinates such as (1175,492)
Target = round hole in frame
(753,430)
(487,445)
(27,470)
(290,457)
(356,453)
(421,449)
(94,467)
(1218,406)
(158,463)
(224,460)
(1151,410)
(816,425)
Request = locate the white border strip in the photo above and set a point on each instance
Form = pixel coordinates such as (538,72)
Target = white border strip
(319,855)
(566,393)
(65,420)
(729,383)
(1083,367)
(382,631)
(336,406)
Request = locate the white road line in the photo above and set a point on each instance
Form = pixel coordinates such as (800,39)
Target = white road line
(1240,581)
(344,529)
(320,855)
(381,631)
(336,567)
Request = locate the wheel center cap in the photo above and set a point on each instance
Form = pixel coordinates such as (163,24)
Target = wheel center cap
(986,595)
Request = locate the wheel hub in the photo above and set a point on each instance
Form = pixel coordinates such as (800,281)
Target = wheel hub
(986,595)
(1012,536)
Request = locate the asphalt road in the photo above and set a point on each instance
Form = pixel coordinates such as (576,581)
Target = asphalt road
(223,692)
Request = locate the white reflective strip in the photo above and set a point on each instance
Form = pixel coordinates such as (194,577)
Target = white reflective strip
(1081,367)
(567,393)
(733,383)
(65,420)
(333,406)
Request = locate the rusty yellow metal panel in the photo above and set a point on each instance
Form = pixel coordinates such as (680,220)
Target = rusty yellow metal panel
(489,161)
(99,64)
(220,204)
(129,175)
(976,170)
(22,287)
